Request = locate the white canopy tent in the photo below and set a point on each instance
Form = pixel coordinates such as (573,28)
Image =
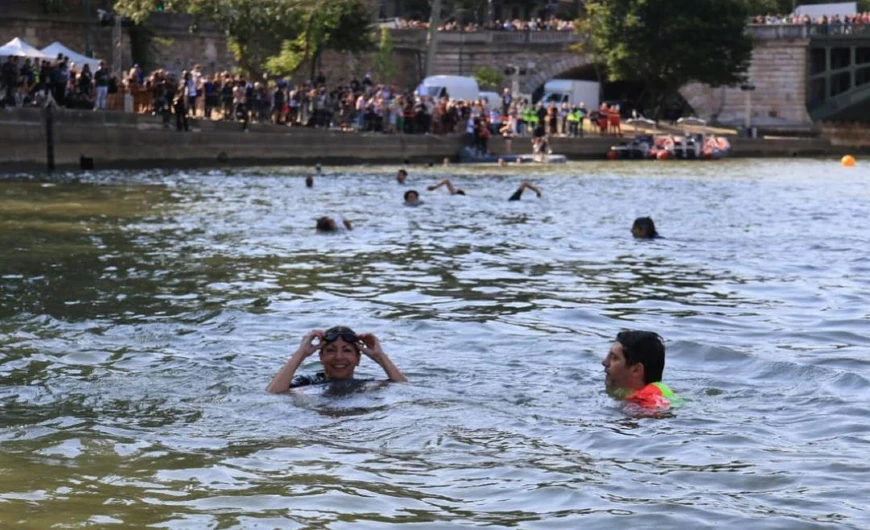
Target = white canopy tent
(19,48)
(56,47)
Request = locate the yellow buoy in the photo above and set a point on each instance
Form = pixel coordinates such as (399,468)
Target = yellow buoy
(848,161)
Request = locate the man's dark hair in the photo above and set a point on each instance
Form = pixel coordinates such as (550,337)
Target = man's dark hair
(646,225)
(646,348)
(325,224)
(409,192)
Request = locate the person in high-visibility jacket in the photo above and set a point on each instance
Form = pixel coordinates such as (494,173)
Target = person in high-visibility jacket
(633,370)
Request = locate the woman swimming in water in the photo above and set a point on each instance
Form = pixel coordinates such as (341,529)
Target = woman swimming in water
(340,353)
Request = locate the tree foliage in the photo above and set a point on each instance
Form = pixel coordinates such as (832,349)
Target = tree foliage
(384,62)
(259,30)
(666,44)
(488,77)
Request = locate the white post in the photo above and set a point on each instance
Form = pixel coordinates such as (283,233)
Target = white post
(117,40)
(747,111)
(432,41)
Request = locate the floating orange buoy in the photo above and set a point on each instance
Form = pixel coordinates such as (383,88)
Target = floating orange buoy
(848,161)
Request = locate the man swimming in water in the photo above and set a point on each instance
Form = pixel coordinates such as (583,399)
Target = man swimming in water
(333,224)
(633,369)
(450,187)
(412,198)
(401,176)
(644,228)
(523,187)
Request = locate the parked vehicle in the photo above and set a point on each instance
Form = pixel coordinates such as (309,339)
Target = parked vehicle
(494,98)
(572,91)
(453,87)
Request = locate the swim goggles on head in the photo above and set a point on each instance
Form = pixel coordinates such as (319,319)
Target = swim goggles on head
(344,333)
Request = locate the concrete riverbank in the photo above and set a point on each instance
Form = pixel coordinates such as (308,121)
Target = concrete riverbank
(123,140)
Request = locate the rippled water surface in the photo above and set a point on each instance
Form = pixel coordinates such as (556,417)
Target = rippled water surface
(142,315)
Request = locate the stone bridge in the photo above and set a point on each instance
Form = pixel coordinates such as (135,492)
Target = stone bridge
(800,74)
(543,54)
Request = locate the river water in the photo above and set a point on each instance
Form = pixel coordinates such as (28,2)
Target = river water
(143,313)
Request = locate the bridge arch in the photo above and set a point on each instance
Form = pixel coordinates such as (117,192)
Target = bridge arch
(550,69)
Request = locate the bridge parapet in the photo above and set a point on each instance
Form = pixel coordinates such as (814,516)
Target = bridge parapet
(415,37)
(808,31)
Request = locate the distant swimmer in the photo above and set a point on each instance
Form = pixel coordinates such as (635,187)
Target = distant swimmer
(644,228)
(340,353)
(309,181)
(633,370)
(523,187)
(401,176)
(446,182)
(333,224)
(412,198)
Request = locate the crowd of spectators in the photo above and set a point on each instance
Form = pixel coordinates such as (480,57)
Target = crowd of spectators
(855,19)
(25,81)
(356,105)
(535,24)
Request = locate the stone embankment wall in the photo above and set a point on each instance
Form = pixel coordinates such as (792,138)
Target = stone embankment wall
(126,140)
(853,135)
(778,72)
(119,140)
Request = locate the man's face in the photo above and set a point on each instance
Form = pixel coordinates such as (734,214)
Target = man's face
(619,377)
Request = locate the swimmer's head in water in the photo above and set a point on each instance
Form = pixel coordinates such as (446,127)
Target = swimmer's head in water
(309,181)
(412,197)
(340,353)
(401,175)
(326,224)
(644,228)
(460,192)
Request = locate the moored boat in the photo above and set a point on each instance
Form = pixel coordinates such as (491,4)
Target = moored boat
(668,146)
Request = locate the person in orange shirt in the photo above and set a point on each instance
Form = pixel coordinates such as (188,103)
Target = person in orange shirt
(633,370)
(613,118)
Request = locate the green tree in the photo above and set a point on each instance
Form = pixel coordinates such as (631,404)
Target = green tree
(666,44)
(487,77)
(259,30)
(384,62)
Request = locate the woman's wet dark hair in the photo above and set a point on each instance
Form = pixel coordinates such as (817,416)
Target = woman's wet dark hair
(325,224)
(341,332)
(644,228)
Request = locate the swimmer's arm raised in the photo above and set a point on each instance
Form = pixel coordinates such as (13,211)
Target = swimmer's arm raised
(371,346)
(281,381)
(444,182)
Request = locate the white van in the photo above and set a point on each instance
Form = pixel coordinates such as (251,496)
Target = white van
(493,98)
(571,91)
(450,86)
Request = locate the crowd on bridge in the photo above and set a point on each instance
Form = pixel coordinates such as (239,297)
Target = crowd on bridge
(535,24)
(835,20)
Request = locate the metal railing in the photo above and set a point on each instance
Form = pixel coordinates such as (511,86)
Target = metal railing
(808,31)
(406,36)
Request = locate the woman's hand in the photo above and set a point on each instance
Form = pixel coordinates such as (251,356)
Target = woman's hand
(371,346)
(307,347)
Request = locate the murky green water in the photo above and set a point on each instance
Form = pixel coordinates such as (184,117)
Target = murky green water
(142,315)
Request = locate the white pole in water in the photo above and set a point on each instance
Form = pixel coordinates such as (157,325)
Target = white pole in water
(432,39)
(747,112)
